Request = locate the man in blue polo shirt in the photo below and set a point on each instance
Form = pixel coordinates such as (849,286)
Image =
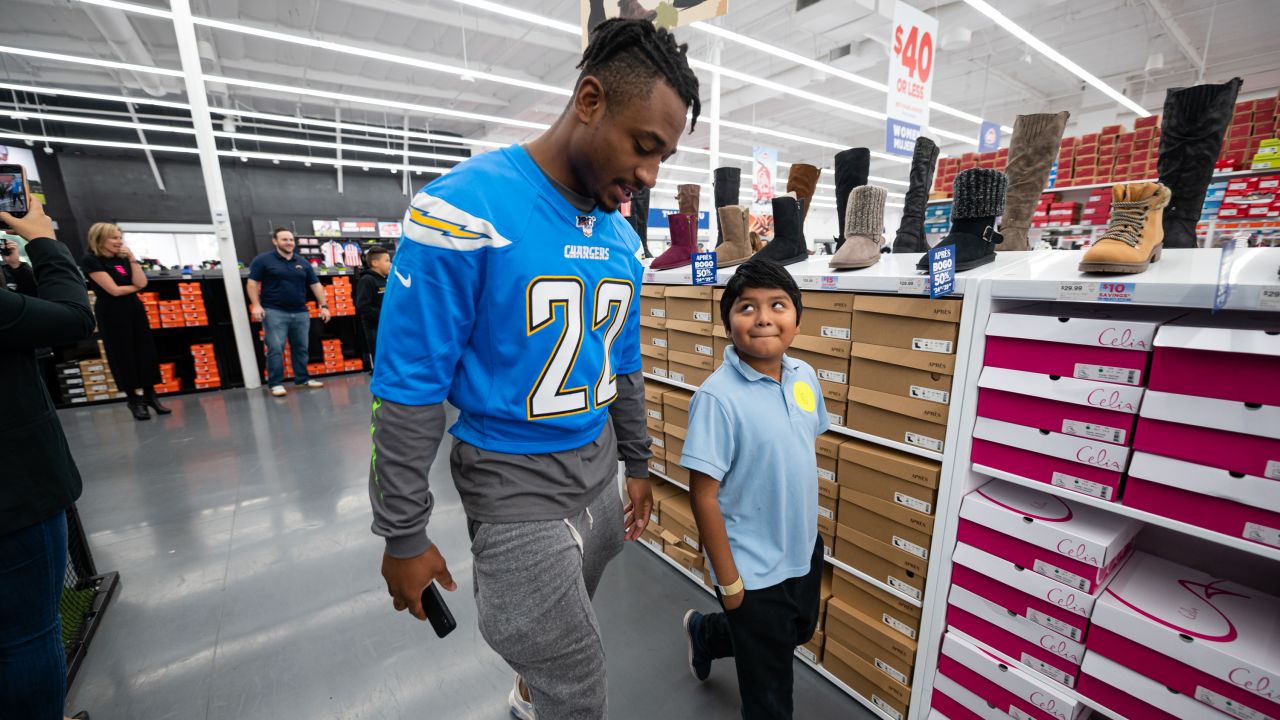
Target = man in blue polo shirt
(750,451)
(278,282)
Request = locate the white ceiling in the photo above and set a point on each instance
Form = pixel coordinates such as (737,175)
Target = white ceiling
(980,67)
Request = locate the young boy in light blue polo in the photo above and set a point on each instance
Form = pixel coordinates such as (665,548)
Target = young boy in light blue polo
(750,451)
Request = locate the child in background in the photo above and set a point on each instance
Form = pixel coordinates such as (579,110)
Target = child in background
(750,451)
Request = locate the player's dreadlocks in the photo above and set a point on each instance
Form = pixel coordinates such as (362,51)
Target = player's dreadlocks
(628,55)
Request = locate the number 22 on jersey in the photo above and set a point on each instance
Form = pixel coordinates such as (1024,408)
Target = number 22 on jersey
(549,397)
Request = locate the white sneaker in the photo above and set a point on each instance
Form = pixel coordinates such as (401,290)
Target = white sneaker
(279,391)
(521,709)
(313,384)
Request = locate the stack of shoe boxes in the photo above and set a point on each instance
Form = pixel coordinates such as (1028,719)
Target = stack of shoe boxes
(972,685)
(903,361)
(676,517)
(1097,209)
(689,317)
(653,329)
(944,176)
(151,303)
(99,384)
(1251,198)
(1062,214)
(1170,642)
(828,489)
(824,342)
(873,659)
(206,367)
(169,381)
(937,218)
(70,382)
(1059,393)
(191,305)
(338,296)
(1213,198)
(1207,447)
(1040,218)
(1253,122)
(654,535)
(1267,156)
(675,426)
(813,650)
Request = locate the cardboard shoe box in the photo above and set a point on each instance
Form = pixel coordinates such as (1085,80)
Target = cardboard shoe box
(689,368)
(904,466)
(675,407)
(657,463)
(891,611)
(694,338)
(880,561)
(904,383)
(652,302)
(655,360)
(676,516)
(904,322)
(890,489)
(892,656)
(855,672)
(868,417)
(674,439)
(828,450)
(653,401)
(690,303)
(907,526)
(827,315)
(930,362)
(829,357)
(653,331)
(812,650)
(899,544)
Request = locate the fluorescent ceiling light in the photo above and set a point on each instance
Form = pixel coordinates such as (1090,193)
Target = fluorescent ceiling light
(493,7)
(807,140)
(1039,45)
(97,62)
(79,120)
(356,127)
(785,89)
(43,90)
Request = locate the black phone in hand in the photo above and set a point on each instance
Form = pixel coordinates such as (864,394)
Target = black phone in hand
(437,612)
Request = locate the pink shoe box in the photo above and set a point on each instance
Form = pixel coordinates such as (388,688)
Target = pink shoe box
(1083,408)
(1074,544)
(1076,341)
(1086,466)
(955,701)
(1206,638)
(1191,354)
(1224,434)
(1045,602)
(1032,695)
(1124,691)
(1040,649)
(1241,506)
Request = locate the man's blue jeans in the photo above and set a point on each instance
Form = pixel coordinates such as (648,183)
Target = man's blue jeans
(296,327)
(33,663)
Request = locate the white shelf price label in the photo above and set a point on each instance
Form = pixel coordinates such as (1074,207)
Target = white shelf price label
(1269,298)
(1078,291)
(912,286)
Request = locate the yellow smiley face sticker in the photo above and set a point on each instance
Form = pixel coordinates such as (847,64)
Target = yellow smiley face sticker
(804,396)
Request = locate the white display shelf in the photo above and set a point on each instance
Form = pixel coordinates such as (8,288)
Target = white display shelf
(669,381)
(1146,517)
(1095,186)
(872,581)
(669,479)
(679,568)
(1057,686)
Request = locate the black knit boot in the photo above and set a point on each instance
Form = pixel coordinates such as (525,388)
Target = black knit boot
(1191,131)
(639,218)
(788,245)
(149,398)
(852,167)
(726,183)
(979,199)
(910,236)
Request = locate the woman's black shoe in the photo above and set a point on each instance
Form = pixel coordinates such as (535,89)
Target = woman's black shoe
(82,715)
(149,398)
(139,409)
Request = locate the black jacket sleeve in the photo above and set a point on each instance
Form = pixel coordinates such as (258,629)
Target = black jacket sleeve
(366,294)
(59,314)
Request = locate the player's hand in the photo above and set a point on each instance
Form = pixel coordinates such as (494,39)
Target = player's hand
(407,578)
(257,313)
(733,602)
(324,315)
(34,225)
(640,504)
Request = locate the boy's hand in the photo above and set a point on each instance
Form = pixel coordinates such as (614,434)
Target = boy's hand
(636,513)
(734,601)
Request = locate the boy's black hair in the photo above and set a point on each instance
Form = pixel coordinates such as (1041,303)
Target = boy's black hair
(761,274)
(374,251)
(627,56)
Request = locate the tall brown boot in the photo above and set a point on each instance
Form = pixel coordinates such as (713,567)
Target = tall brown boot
(1034,147)
(802,179)
(1135,236)
(687,198)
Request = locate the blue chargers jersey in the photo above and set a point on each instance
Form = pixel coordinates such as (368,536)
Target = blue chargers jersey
(514,306)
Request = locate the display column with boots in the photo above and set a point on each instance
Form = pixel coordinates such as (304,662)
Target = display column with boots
(978,200)
(1032,151)
(863,229)
(910,237)
(1191,131)
(1135,236)
(788,245)
(684,242)
(802,180)
(852,167)
(736,225)
(639,219)
(726,184)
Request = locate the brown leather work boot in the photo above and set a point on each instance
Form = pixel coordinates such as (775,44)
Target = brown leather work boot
(1136,234)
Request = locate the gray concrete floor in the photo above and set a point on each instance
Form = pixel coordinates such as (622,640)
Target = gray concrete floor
(251,589)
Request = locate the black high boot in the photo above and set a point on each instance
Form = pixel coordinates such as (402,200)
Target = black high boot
(726,184)
(639,218)
(1191,131)
(911,230)
(788,245)
(138,407)
(149,398)
(852,167)
(979,199)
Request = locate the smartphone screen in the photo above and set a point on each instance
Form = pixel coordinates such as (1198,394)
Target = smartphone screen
(13,190)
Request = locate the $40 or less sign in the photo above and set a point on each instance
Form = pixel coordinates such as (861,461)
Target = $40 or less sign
(911,73)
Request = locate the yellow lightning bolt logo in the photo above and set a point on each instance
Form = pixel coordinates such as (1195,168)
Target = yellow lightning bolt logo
(444,227)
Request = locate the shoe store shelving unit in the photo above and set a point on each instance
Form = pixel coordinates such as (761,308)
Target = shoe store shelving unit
(1181,279)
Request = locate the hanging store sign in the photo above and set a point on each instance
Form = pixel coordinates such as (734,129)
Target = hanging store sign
(764,170)
(989,136)
(663,13)
(911,74)
(389,230)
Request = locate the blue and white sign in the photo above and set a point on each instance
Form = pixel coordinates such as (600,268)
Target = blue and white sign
(704,268)
(658,218)
(900,136)
(942,270)
(911,74)
(989,136)
(1223,294)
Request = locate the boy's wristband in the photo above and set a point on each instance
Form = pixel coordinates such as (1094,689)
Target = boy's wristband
(732,589)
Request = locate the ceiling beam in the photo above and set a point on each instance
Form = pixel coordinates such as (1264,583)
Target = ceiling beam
(1179,35)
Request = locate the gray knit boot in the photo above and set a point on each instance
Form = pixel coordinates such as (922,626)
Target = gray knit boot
(863,229)
(978,200)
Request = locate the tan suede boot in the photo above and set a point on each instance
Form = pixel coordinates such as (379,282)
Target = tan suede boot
(687,198)
(736,248)
(802,179)
(1135,236)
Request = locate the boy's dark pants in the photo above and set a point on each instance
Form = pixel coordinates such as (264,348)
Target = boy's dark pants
(762,635)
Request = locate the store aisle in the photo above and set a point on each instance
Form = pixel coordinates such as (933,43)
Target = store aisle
(250,587)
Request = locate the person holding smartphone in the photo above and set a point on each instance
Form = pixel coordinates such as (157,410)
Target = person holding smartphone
(40,476)
(116,278)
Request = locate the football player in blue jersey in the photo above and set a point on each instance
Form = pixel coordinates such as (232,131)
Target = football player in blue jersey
(514,295)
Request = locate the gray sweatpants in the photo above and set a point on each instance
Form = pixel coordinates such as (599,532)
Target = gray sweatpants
(533,584)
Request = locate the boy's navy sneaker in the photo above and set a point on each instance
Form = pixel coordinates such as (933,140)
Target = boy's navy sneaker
(699,661)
